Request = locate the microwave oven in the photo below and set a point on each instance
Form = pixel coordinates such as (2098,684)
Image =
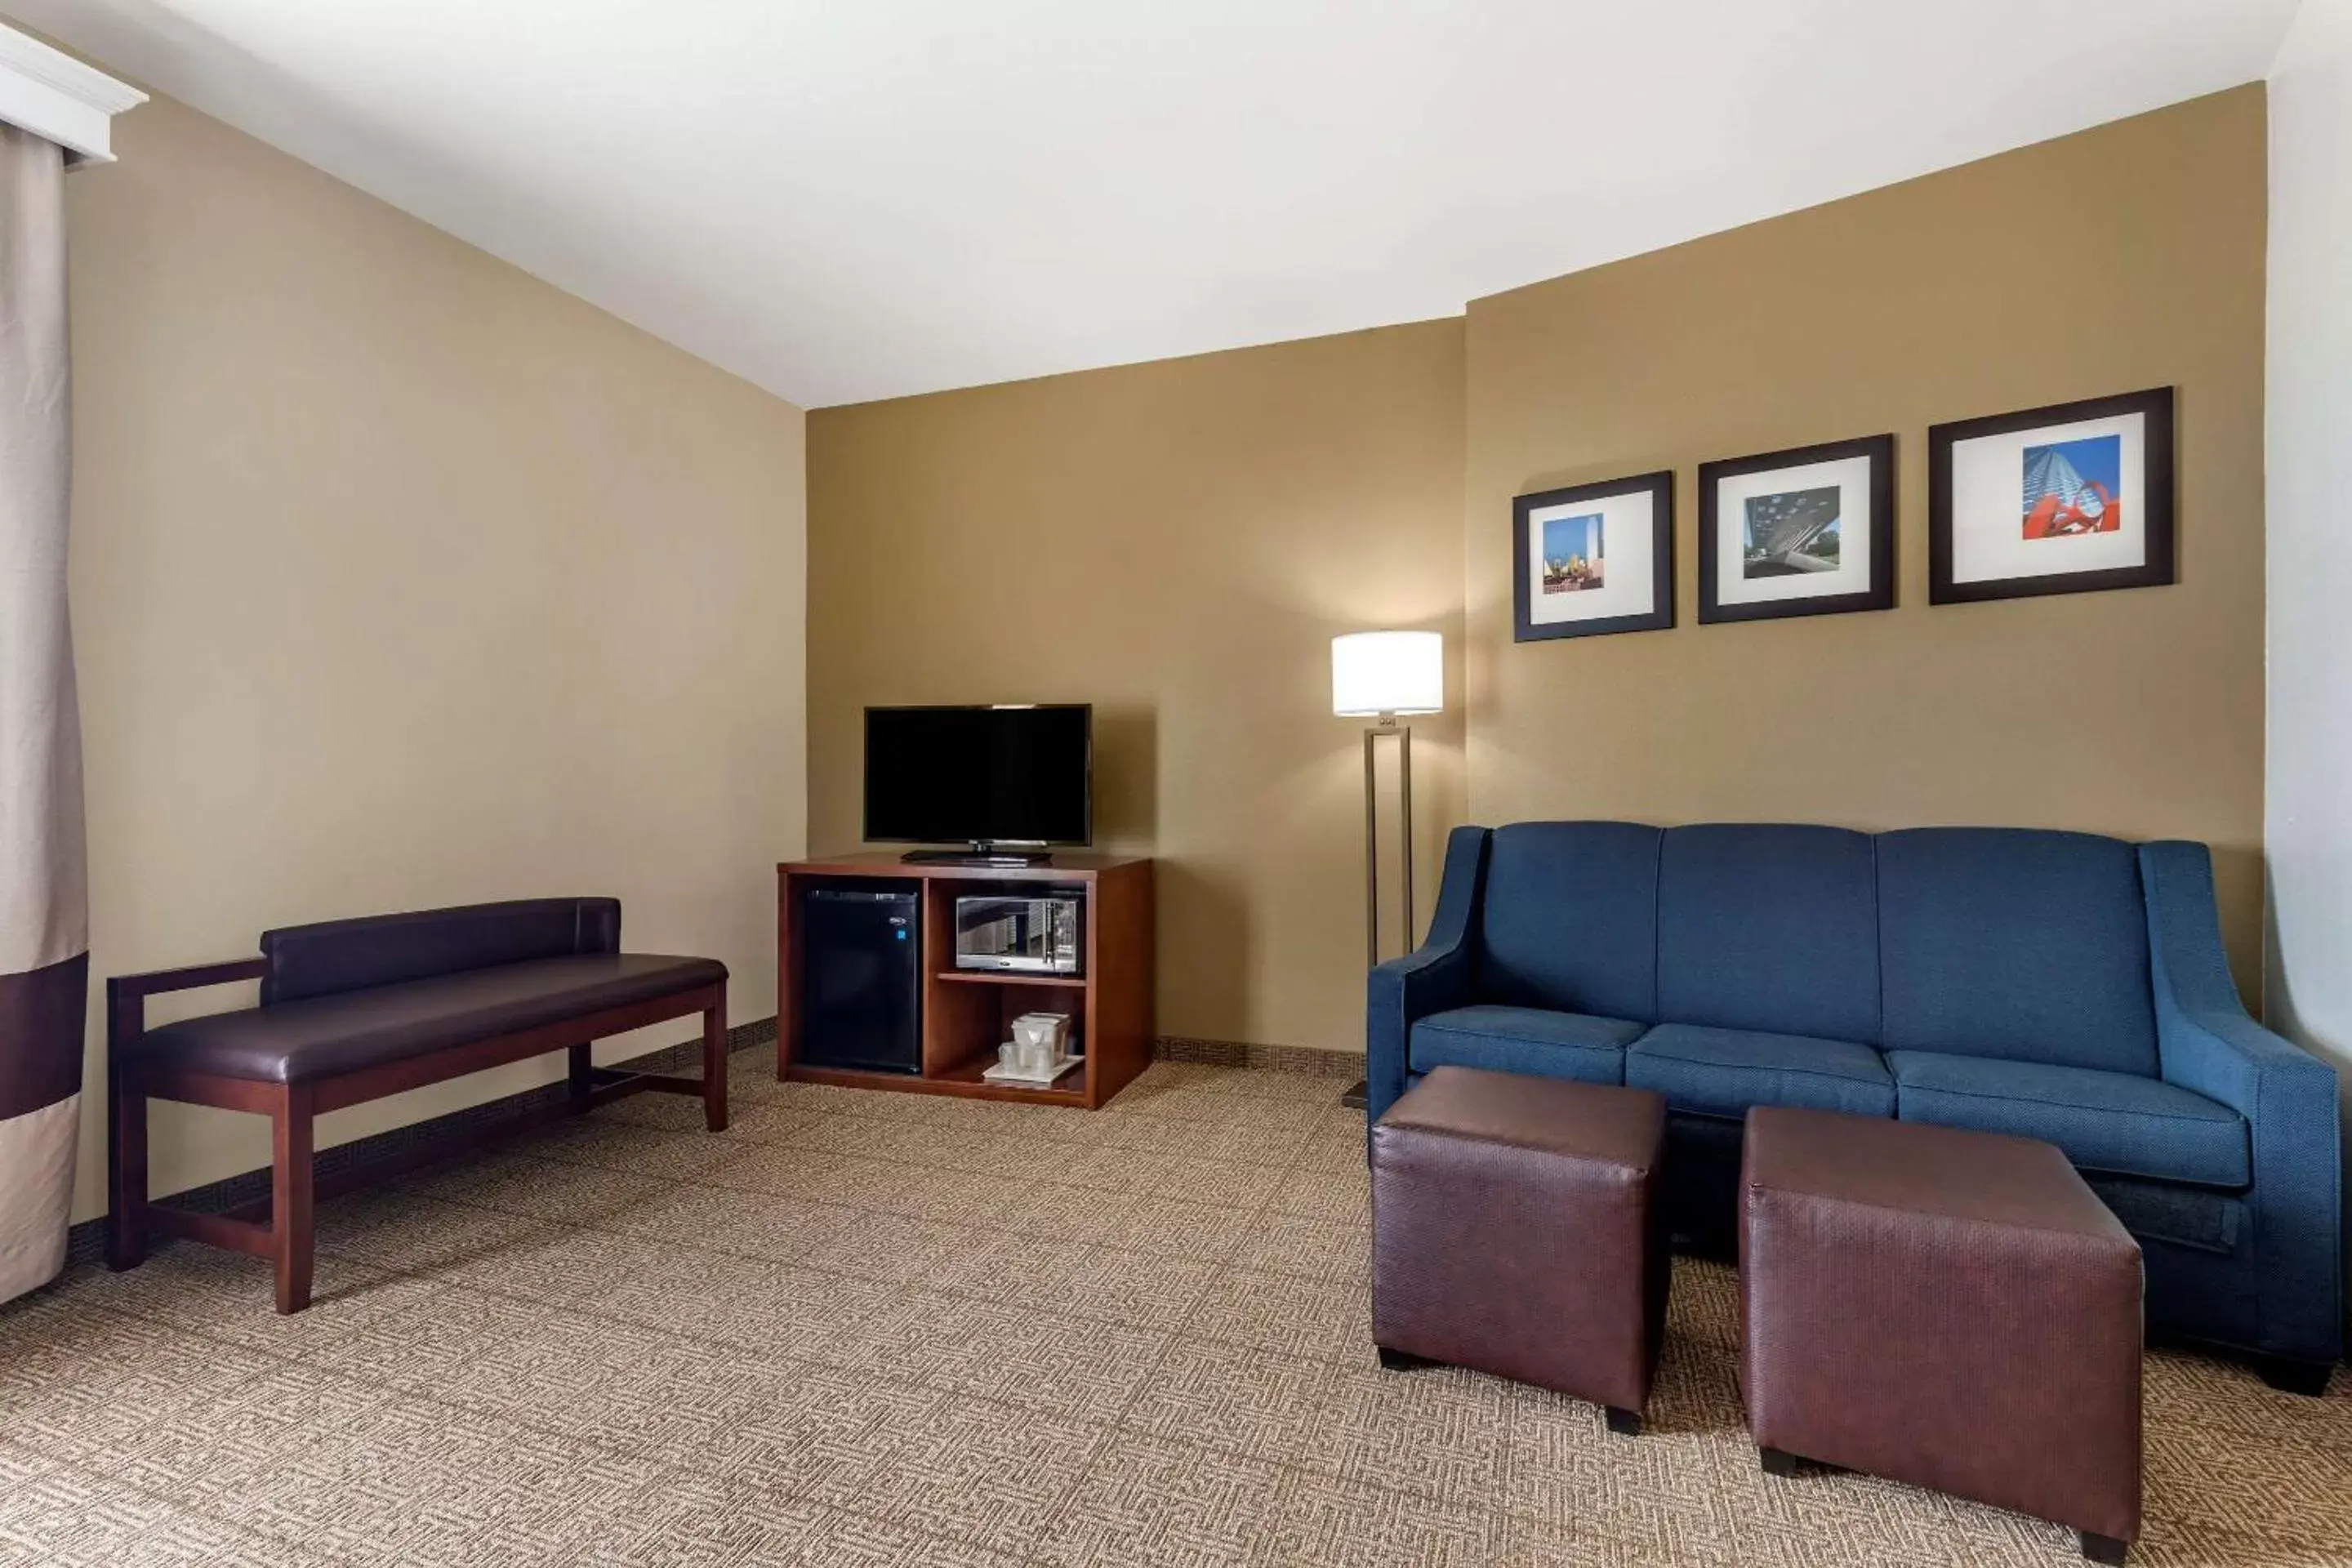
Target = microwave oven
(1039,936)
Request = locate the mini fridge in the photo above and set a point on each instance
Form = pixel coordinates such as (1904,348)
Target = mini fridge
(861,986)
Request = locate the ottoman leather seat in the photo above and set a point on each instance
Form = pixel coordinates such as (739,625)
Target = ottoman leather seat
(1952,1309)
(1516,1231)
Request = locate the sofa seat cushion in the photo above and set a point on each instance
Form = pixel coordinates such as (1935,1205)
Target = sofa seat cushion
(1724,1072)
(2112,1121)
(326,1037)
(1533,1041)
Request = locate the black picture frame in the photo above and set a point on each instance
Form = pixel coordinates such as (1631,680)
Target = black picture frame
(1878,596)
(2158,568)
(1659,616)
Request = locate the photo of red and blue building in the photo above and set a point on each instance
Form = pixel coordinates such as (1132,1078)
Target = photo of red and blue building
(2070,488)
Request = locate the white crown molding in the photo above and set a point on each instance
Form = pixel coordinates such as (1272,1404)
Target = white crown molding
(55,96)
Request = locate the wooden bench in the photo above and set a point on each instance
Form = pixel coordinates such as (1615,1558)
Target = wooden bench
(357,1010)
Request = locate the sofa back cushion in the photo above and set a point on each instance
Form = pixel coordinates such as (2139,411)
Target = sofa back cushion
(2016,943)
(384,950)
(1768,926)
(1569,918)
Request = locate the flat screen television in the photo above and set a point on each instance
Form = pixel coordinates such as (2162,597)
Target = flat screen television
(1014,775)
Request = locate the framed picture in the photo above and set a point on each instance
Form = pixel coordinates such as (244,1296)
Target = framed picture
(1808,532)
(1594,558)
(2064,500)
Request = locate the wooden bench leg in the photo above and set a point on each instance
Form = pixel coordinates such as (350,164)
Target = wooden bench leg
(126,1167)
(714,1065)
(290,1233)
(583,1077)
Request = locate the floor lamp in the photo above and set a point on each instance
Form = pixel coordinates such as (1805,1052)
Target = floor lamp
(1386,676)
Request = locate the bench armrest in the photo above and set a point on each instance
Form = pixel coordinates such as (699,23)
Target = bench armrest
(188,979)
(2207,1042)
(126,995)
(1430,980)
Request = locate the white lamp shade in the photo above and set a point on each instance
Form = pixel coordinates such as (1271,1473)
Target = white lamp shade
(1388,672)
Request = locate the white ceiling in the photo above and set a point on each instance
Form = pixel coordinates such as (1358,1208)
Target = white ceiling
(851,199)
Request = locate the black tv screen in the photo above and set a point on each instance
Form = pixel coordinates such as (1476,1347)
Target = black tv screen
(972,775)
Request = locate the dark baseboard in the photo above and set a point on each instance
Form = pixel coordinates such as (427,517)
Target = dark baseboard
(86,1243)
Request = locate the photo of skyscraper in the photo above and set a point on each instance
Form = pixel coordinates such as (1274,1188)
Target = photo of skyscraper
(1573,557)
(2070,488)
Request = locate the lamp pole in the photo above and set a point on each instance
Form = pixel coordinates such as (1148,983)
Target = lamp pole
(1403,734)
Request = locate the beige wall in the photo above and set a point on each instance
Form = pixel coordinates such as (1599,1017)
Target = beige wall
(1176,542)
(401,579)
(2125,256)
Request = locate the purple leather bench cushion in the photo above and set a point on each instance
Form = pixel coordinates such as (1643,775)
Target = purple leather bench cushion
(349,1031)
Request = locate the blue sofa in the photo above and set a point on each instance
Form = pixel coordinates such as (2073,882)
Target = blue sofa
(2057,986)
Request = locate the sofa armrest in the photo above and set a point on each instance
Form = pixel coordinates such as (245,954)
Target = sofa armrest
(1432,978)
(2207,1042)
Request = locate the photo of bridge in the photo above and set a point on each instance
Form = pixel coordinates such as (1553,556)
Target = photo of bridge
(1792,532)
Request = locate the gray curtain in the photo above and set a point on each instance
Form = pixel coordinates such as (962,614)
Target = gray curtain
(43,909)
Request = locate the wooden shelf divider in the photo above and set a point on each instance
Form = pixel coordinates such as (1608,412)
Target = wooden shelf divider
(1011,977)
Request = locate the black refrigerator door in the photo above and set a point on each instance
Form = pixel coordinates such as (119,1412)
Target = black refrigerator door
(861,980)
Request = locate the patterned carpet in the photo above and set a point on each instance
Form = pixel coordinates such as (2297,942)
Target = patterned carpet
(867,1329)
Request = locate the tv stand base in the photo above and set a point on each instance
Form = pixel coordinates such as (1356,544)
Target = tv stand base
(978,855)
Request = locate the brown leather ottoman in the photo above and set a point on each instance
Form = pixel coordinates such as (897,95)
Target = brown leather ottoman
(1954,1309)
(1515,1231)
